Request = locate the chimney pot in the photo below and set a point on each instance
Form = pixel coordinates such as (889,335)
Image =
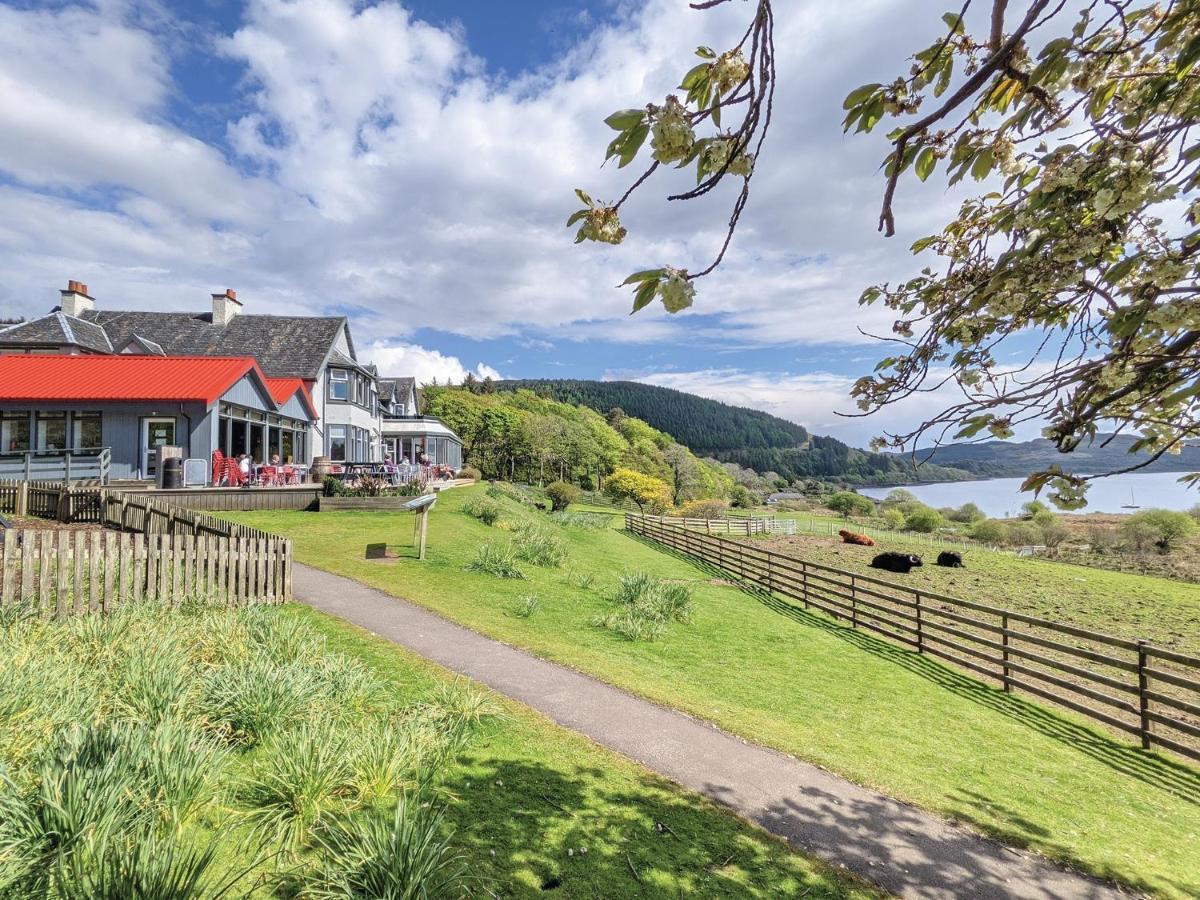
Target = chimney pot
(75,299)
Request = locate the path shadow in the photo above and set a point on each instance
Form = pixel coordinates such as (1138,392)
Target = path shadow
(542,830)
(1128,759)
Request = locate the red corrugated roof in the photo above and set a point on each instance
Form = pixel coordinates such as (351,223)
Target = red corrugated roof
(284,389)
(115,378)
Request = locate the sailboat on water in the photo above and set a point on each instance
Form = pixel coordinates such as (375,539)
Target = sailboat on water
(1131,504)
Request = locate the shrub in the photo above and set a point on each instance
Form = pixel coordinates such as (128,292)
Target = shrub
(1162,527)
(644,491)
(470,472)
(924,519)
(538,546)
(848,503)
(893,518)
(989,531)
(705,509)
(1032,508)
(562,495)
(408,855)
(486,511)
(1022,534)
(1054,532)
(495,559)
(968,514)
(741,498)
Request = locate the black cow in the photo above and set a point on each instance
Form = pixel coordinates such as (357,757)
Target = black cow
(900,563)
(950,559)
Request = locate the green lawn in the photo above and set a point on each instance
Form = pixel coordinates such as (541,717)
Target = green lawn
(528,793)
(861,707)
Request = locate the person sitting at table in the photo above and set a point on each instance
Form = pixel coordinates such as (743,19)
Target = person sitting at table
(274,459)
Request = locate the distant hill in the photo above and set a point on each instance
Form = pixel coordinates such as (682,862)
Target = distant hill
(748,437)
(1011,459)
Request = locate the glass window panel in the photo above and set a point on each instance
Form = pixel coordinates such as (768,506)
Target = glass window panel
(337,442)
(51,431)
(87,430)
(14,432)
(339,384)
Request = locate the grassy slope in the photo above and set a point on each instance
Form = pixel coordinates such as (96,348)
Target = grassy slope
(529,791)
(861,707)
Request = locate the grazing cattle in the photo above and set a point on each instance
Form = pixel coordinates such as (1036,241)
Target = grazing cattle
(853,537)
(900,563)
(950,559)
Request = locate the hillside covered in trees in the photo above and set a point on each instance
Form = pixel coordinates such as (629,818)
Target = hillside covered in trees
(520,436)
(1012,459)
(748,437)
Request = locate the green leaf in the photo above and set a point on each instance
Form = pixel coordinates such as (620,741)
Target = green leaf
(633,143)
(644,295)
(953,22)
(695,75)
(624,119)
(706,52)
(582,195)
(973,426)
(982,166)
(576,216)
(644,275)
(1101,97)
(716,113)
(859,94)
(926,161)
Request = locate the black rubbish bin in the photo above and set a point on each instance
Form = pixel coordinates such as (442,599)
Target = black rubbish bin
(172,473)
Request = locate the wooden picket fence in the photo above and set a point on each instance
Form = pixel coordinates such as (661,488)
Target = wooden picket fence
(59,573)
(1133,686)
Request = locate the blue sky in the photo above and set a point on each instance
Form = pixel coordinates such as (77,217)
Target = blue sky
(410,163)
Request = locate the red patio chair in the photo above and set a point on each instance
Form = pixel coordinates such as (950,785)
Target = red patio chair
(268,475)
(288,476)
(233,473)
(218,467)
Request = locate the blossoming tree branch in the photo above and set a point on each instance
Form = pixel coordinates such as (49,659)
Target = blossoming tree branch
(1082,258)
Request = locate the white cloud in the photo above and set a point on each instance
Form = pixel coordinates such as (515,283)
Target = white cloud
(423,364)
(377,168)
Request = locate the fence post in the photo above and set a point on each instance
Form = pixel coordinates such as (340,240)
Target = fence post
(1004,652)
(1143,700)
(920,630)
(804,582)
(853,604)
(28,465)
(23,494)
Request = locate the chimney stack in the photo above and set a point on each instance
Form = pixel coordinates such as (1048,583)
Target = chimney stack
(225,307)
(75,299)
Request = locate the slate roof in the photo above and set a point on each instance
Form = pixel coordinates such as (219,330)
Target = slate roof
(56,330)
(147,345)
(399,387)
(284,346)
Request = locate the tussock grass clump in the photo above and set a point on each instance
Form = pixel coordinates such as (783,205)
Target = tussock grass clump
(503,490)
(397,857)
(483,509)
(582,520)
(539,546)
(495,559)
(646,606)
(526,607)
(125,740)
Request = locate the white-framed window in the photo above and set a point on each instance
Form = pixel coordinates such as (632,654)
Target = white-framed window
(339,384)
(86,431)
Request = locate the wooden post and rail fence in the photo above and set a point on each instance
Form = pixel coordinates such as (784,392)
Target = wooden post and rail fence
(155,551)
(1134,686)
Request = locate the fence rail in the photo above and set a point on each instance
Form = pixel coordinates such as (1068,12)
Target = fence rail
(60,573)
(57,465)
(747,527)
(1133,686)
(163,552)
